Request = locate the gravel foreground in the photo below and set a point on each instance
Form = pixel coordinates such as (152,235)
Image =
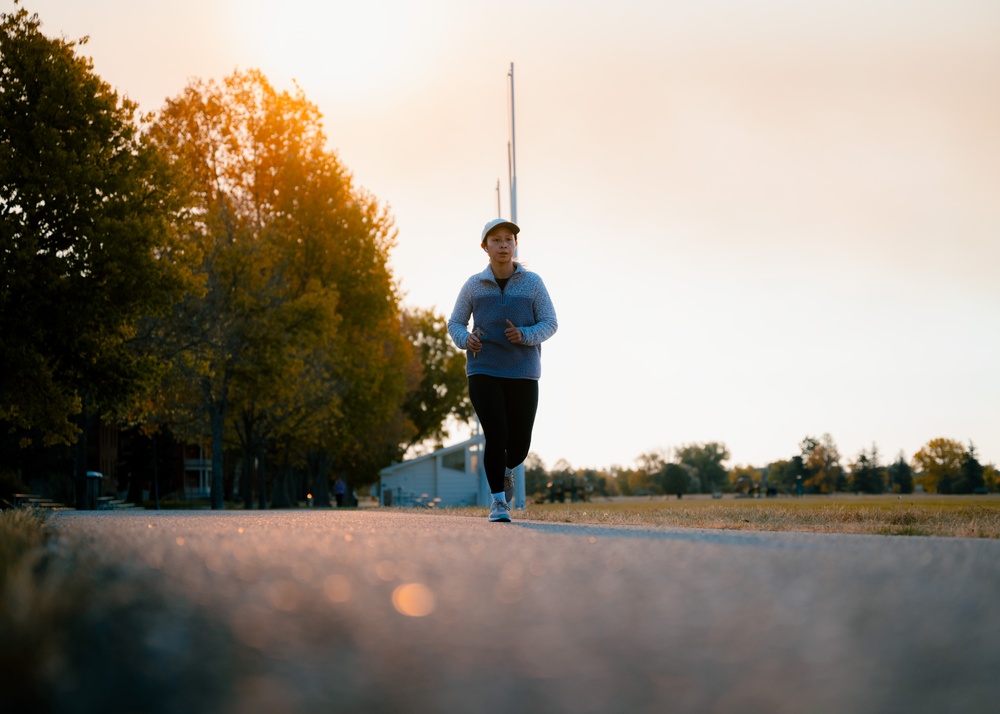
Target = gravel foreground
(375,611)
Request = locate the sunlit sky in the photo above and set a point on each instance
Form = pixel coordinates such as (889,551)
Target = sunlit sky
(759,220)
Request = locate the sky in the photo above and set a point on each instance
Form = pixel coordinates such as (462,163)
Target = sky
(759,220)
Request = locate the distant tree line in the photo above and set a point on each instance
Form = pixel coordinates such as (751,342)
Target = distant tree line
(941,466)
(209,274)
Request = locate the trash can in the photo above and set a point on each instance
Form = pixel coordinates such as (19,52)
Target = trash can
(92,490)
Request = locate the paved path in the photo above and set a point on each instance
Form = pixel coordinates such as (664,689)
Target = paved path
(377,611)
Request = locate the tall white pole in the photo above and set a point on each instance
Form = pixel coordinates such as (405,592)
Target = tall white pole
(519,485)
(513,151)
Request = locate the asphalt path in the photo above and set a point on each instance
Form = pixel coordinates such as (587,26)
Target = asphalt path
(381,611)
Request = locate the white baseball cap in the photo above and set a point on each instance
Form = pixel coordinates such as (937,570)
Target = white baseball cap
(500,222)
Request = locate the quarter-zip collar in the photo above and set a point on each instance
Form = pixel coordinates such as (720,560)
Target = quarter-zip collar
(488,276)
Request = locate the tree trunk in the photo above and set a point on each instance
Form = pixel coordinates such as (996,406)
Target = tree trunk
(218,415)
(261,478)
(229,479)
(246,479)
(80,461)
(281,495)
(321,483)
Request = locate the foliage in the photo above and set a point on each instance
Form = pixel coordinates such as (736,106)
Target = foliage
(744,479)
(290,332)
(821,463)
(972,474)
(939,464)
(783,475)
(991,478)
(536,477)
(81,220)
(442,392)
(564,482)
(900,476)
(679,479)
(867,476)
(644,479)
(706,461)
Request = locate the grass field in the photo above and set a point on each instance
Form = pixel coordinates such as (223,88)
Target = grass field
(914,515)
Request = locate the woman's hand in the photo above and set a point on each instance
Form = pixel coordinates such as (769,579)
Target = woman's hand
(513,334)
(474,344)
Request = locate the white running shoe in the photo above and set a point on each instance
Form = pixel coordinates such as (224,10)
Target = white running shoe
(499,512)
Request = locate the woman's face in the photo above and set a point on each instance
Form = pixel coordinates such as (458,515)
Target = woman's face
(500,245)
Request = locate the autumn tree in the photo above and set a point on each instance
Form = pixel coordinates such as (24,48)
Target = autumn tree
(991,478)
(292,316)
(744,479)
(938,464)
(625,480)
(821,462)
(644,479)
(82,211)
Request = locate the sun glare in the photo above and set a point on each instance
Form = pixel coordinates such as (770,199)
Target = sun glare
(346,50)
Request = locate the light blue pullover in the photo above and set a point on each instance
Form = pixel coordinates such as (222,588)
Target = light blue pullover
(525,302)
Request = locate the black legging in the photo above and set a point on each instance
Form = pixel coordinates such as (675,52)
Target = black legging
(506,409)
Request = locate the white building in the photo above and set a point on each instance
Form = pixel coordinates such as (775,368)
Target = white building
(453,476)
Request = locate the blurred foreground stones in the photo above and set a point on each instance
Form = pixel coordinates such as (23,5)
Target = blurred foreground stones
(375,611)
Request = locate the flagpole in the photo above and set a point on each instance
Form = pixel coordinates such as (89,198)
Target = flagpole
(519,480)
(513,153)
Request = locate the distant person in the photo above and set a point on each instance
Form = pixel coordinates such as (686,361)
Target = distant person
(512,315)
(339,490)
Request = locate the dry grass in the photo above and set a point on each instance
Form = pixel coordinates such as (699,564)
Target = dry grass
(22,534)
(78,634)
(916,514)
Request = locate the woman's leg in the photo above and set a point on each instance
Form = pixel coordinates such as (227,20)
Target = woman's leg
(521,403)
(487,396)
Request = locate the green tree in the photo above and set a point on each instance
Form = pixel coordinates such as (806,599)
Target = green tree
(536,478)
(678,479)
(781,475)
(706,460)
(563,479)
(939,464)
(82,220)
(867,475)
(80,224)
(900,476)
(591,482)
(644,479)
(442,392)
(971,475)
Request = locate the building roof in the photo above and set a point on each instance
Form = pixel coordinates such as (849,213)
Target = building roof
(462,445)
